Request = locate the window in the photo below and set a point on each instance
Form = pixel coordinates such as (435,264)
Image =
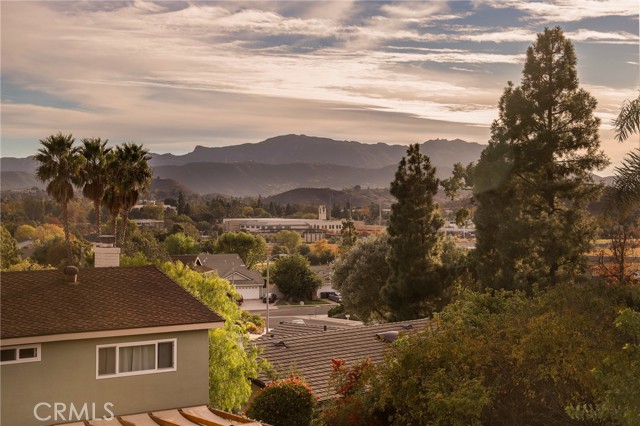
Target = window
(18,354)
(129,359)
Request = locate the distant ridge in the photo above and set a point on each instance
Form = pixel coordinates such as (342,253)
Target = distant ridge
(242,179)
(274,165)
(315,150)
(315,196)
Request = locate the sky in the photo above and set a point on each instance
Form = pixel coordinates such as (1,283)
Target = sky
(175,74)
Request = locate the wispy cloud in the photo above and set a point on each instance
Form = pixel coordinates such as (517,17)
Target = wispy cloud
(228,72)
(566,10)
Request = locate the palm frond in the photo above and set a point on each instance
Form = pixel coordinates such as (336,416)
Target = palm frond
(628,120)
(626,183)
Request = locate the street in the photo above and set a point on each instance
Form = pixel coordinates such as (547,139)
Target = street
(295,310)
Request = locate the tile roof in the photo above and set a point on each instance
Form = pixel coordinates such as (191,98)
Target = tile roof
(191,416)
(310,354)
(40,303)
(288,328)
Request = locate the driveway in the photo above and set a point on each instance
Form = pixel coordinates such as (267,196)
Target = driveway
(255,305)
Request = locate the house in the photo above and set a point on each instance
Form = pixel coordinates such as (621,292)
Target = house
(247,282)
(310,353)
(100,342)
(190,260)
(325,272)
(149,224)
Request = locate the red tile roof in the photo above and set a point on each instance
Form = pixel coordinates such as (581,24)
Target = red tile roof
(41,303)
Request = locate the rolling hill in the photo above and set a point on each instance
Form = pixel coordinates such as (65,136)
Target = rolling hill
(275,165)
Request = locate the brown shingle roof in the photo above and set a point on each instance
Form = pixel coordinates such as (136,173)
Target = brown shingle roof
(310,355)
(40,303)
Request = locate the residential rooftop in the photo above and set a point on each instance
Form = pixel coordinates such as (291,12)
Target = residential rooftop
(44,303)
(310,354)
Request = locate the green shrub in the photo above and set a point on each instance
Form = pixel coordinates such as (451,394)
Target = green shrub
(287,402)
(336,310)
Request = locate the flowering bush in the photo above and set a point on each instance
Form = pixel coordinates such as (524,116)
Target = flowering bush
(287,402)
(351,408)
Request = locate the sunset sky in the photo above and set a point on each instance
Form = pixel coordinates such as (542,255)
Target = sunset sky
(175,74)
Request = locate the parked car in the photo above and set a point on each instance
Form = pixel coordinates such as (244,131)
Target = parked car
(272,298)
(326,294)
(336,297)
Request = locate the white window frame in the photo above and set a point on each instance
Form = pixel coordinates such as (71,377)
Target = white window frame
(117,347)
(19,360)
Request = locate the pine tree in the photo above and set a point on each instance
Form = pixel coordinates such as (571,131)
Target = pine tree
(415,239)
(533,181)
(348,235)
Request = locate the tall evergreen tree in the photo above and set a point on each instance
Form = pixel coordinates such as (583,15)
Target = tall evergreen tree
(533,181)
(415,239)
(348,235)
(94,172)
(60,165)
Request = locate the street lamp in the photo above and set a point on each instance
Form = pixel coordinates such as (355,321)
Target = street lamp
(267,297)
(268,289)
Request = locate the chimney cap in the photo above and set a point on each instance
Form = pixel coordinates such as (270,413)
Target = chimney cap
(71,270)
(71,274)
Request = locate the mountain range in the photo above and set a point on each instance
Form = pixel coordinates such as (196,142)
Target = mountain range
(277,164)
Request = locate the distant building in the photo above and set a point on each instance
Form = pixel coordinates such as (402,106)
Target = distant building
(150,224)
(311,229)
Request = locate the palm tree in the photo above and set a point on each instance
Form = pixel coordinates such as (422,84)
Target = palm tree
(60,165)
(94,172)
(130,176)
(628,120)
(627,178)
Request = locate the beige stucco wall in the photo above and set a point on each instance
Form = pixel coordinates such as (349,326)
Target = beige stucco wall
(67,374)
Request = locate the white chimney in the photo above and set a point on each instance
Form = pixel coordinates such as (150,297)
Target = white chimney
(106,254)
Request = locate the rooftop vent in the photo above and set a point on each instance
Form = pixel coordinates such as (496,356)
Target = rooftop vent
(71,274)
(280,344)
(388,336)
(407,326)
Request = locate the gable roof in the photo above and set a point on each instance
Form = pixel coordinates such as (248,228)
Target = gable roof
(186,259)
(43,303)
(310,355)
(230,267)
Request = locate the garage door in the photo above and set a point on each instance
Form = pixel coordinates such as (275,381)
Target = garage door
(249,293)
